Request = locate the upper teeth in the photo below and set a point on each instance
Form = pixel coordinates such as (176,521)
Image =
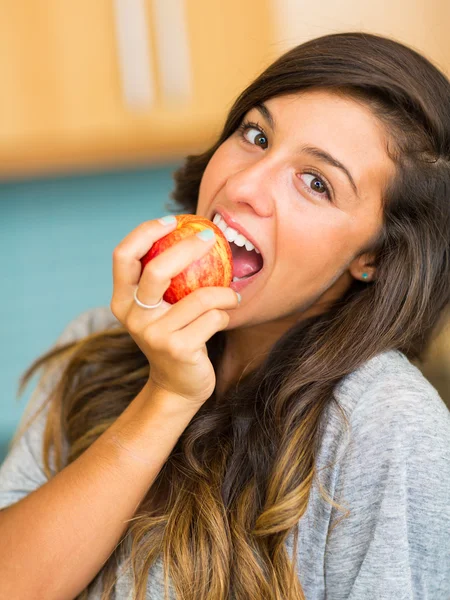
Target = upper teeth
(232,235)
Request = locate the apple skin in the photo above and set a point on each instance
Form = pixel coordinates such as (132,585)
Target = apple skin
(213,269)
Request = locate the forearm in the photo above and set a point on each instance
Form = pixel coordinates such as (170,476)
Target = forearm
(55,540)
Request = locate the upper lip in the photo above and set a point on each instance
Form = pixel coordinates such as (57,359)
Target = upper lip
(231,221)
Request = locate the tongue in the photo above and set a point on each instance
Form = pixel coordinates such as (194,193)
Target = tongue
(245,262)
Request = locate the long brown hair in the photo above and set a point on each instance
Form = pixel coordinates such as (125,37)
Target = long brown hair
(238,480)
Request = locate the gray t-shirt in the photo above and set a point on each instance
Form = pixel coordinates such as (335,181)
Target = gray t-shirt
(392,471)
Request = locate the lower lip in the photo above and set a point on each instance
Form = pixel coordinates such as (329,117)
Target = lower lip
(237,286)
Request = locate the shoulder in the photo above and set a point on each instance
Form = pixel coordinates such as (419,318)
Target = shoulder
(395,423)
(399,431)
(385,394)
(82,325)
(23,469)
(87,322)
(390,390)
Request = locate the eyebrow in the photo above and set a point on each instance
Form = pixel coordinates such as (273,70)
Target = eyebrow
(318,153)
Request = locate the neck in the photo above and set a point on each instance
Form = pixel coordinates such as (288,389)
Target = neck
(246,347)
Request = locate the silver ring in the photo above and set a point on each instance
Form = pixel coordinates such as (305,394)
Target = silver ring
(141,304)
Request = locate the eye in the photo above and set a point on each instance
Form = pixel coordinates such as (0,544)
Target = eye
(316,185)
(261,138)
(246,130)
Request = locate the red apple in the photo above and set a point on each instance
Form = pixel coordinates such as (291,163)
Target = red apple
(213,269)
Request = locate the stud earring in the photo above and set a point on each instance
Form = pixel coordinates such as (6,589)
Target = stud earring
(365,276)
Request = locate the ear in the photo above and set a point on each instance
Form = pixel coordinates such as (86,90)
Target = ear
(365,263)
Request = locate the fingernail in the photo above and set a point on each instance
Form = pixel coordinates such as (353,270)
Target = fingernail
(239,297)
(169,220)
(206,234)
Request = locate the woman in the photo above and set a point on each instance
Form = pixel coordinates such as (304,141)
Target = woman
(285,446)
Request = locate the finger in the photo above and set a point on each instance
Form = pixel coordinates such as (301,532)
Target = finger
(193,338)
(127,256)
(197,303)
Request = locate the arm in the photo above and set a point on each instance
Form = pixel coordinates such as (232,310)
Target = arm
(72,516)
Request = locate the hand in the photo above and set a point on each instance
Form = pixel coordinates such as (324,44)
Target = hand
(172,337)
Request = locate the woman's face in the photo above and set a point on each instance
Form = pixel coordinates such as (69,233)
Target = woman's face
(307,217)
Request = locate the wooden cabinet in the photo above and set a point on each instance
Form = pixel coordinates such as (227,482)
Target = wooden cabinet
(96,83)
(68,68)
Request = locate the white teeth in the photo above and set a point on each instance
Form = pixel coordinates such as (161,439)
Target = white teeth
(219,222)
(232,235)
(240,240)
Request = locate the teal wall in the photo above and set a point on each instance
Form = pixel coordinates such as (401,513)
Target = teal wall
(56,241)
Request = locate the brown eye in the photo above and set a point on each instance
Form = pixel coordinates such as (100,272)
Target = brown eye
(315,185)
(260,139)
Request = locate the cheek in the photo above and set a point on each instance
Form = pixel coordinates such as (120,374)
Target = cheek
(214,176)
(319,243)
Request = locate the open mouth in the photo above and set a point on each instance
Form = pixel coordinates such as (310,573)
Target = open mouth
(247,259)
(239,284)
(246,263)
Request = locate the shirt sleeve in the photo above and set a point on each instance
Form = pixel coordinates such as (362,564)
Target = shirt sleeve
(22,470)
(394,478)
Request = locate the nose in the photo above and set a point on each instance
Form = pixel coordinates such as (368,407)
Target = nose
(253,185)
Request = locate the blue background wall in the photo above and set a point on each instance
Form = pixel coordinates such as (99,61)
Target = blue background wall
(56,241)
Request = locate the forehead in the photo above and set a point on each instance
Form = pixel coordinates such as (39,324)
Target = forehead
(344,127)
(338,121)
